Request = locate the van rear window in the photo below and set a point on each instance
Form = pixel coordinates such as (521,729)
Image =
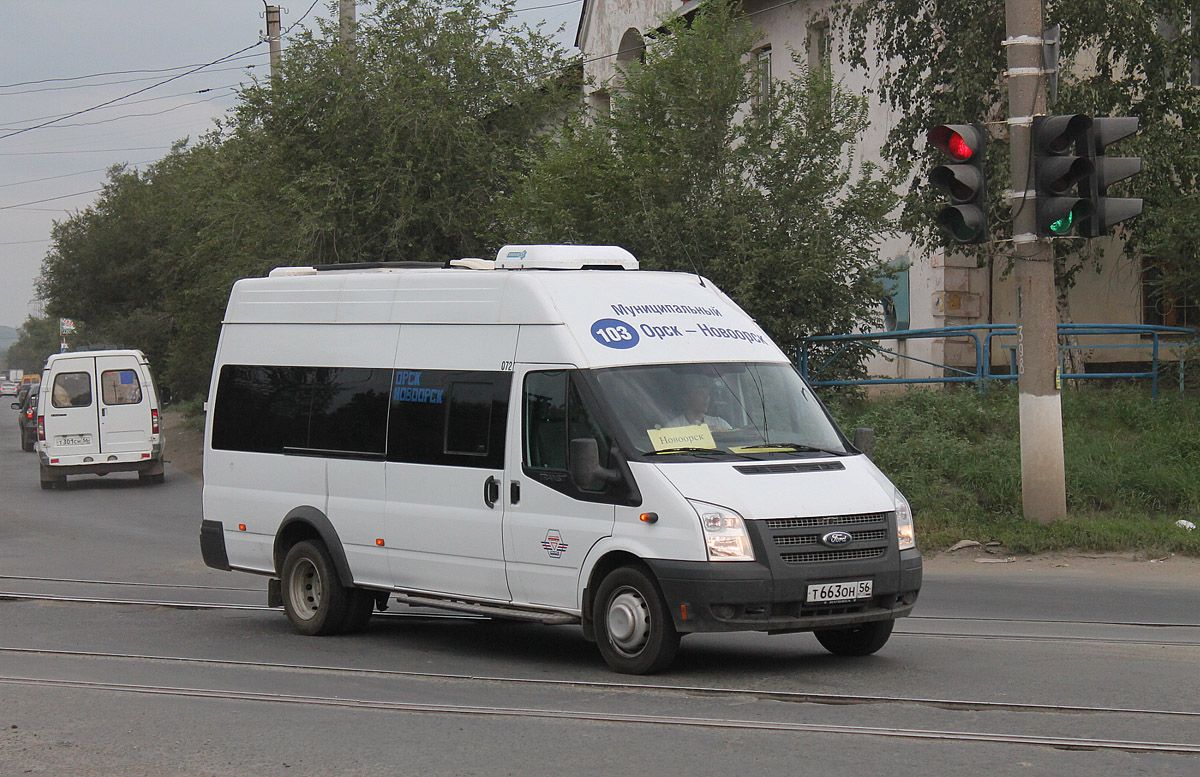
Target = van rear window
(120,387)
(71,389)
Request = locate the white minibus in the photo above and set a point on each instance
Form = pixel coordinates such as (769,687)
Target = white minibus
(553,436)
(98,412)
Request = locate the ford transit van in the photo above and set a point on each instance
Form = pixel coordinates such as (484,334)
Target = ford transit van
(553,436)
(98,413)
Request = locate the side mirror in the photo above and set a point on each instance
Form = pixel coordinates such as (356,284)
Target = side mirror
(16,405)
(586,472)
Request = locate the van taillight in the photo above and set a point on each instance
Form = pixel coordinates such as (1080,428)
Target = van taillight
(153,421)
(42,428)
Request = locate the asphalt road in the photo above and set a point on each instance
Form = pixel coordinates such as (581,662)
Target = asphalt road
(122,654)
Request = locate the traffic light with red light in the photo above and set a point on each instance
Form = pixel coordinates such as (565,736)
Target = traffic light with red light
(964,180)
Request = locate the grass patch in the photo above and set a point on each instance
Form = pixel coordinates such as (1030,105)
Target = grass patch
(192,411)
(1132,466)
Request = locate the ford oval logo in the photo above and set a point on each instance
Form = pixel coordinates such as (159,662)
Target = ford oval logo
(836,538)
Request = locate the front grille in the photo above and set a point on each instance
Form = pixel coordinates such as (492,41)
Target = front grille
(832,555)
(812,539)
(828,520)
(791,542)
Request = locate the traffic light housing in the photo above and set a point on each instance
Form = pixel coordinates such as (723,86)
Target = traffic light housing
(1109,170)
(964,180)
(1063,179)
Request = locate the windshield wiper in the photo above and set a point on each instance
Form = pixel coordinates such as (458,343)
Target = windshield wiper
(796,446)
(683,450)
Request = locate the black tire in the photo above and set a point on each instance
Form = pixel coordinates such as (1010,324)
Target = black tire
(360,604)
(634,631)
(862,640)
(27,441)
(313,595)
(152,478)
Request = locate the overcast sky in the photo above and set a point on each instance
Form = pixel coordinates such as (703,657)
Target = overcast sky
(62,56)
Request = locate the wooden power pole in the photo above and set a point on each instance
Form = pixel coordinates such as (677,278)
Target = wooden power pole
(346,11)
(273,38)
(1043,473)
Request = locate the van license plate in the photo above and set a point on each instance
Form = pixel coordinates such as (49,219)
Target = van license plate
(68,440)
(839,592)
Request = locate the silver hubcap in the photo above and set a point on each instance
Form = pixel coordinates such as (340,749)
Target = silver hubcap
(628,621)
(305,589)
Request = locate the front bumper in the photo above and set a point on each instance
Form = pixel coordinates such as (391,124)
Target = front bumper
(768,595)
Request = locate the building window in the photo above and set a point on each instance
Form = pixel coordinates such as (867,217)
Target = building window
(633,47)
(1162,308)
(765,80)
(818,48)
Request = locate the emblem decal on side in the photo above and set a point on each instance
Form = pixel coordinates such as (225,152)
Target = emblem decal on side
(837,538)
(554,544)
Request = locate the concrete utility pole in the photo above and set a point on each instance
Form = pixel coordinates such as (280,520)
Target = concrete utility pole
(346,12)
(1043,473)
(273,38)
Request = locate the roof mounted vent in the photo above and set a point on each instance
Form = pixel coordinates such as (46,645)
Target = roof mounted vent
(556,257)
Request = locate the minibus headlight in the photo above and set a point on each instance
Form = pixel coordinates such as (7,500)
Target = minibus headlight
(725,536)
(905,534)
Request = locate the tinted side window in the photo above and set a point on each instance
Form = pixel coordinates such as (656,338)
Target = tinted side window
(71,389)
(270,409)
(120,387)
(349,409)
(448,417)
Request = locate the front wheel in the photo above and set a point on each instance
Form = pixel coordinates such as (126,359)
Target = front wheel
(313,596)
(862,640)
(634,631)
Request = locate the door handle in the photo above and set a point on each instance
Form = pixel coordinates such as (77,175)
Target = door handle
(514,492)
(491,491)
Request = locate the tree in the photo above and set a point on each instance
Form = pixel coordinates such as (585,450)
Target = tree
(943,61)
(401,149)
(693,170)
(38,338)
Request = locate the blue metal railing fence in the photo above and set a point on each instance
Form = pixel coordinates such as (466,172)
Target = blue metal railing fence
(986,337)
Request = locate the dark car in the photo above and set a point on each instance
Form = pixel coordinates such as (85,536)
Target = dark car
(27,419)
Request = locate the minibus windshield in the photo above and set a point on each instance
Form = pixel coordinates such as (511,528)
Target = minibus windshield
(717,411)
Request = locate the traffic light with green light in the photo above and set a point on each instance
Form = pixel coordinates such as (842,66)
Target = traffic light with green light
(1061,176)
(964,180)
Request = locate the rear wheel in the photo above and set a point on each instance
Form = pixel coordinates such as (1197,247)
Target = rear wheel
(862,640)
(634,631)
(313,596)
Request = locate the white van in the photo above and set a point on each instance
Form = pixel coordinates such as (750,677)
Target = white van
(98,413)
(553,436)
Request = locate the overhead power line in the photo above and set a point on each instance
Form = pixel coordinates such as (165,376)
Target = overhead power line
(206,90)
(83,151)
(131,94)
(48,199)
(109,73)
